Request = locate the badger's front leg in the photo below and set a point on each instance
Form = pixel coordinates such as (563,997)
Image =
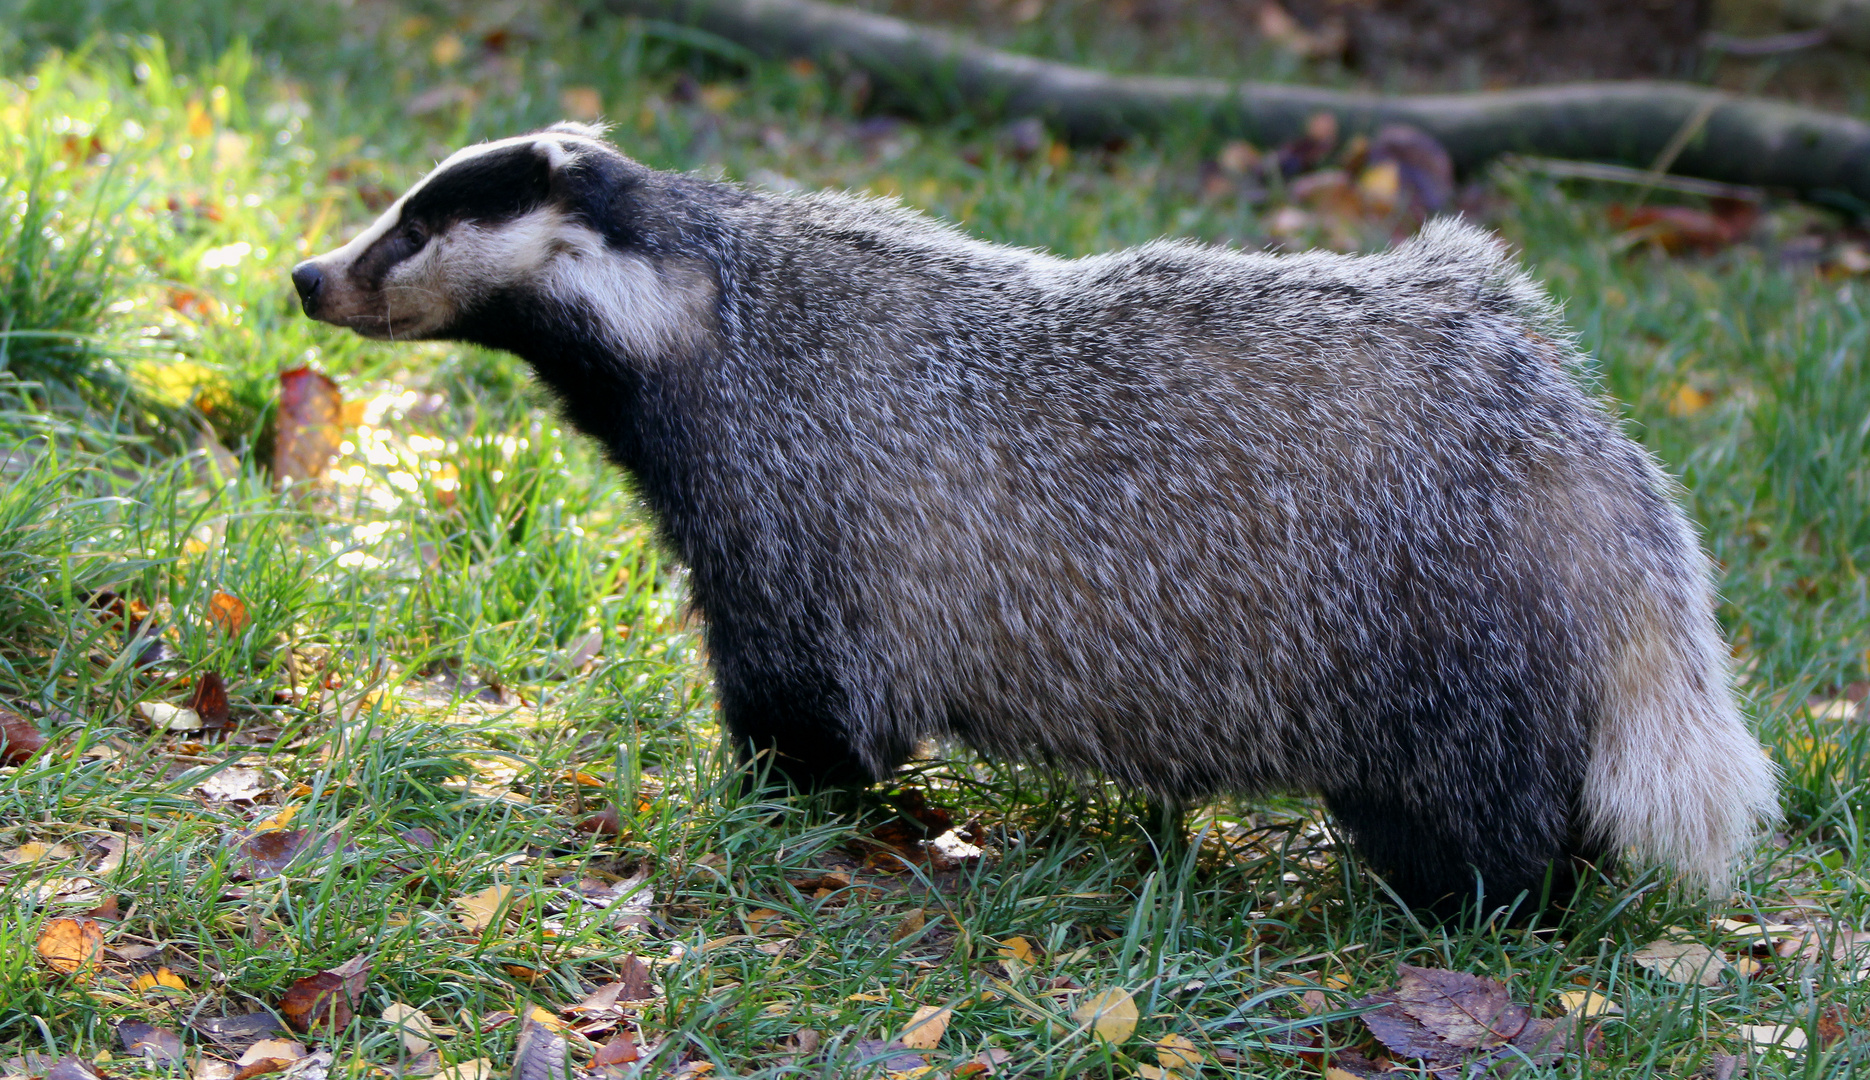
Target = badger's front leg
(801,720)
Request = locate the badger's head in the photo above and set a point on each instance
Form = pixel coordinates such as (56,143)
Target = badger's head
(556,224)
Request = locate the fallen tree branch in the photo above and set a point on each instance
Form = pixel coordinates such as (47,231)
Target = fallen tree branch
(1740,140)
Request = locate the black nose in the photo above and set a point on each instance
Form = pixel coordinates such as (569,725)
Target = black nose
(307,278)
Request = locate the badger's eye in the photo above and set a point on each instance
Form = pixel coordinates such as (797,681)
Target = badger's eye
(414,234)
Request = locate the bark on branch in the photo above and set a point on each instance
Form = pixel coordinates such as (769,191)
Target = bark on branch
(1721,136)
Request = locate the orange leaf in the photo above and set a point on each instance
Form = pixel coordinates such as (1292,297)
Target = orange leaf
(71,946)
(227,614)
(19,738)
(307,427)
(325,999)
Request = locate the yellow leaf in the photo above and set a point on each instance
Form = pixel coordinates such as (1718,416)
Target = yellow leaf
(413,1027)
(480,910)
(446,50)
(200,124)
(1017,948)
(1588,1003)
(160,979)
(868,997)
(1339,981)
(1111,1014)
(1177,1054)
(33,851)
(926,1027)
(1689,401)
(477,1069)
(277,821)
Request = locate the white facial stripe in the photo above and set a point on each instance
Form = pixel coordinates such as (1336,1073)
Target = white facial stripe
(558,148)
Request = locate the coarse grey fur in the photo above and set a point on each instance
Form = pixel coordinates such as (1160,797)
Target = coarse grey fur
(1199,520)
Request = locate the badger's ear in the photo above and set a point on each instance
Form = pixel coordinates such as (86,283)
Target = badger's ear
(583,131)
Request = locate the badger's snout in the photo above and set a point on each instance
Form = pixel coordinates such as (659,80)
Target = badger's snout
(308,279)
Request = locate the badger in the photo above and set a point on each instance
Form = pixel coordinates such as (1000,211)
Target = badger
(1198,520)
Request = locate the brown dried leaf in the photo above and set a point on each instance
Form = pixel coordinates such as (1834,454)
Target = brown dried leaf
(1403,1035)
(325,1000)
(541,1054)
(71,946)
(1468,1011)
(638,983)
(267,854)
(237,1033)
(307,428)
(72,1068)
(19,738)
(1833,1024)
(209,701)
(157,1045)
(620,1050)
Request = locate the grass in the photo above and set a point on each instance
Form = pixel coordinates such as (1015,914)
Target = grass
(464,641)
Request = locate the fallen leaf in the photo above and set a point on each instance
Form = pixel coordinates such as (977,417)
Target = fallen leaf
(412,1026)
(476,1069)
(269,1056)
(19,738)
(268,853)
(307,427)
(1112,1015)
(911,923)
(1468,1011)
(1786,1037)
(160,979)
(1588,1003)
(209,701)
(1682,962)
(1423,172)
(71,946)
(71,1068)
(234,784)
(166,717)
(638,983)
(33,850)
(541,1053)
(154,1044)
(1176,1054)
(620,1050)
(482,909)
(926,1027)
(237,1033)
(228,614)
(325,1000)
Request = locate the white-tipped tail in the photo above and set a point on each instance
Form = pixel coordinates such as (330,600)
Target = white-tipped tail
(1674,772)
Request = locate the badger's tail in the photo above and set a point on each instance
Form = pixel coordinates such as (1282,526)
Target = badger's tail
(1674,772)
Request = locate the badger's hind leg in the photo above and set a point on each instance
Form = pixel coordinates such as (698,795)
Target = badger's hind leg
(1491,816)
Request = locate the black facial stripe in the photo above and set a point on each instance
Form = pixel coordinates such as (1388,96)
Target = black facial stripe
(491,187)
